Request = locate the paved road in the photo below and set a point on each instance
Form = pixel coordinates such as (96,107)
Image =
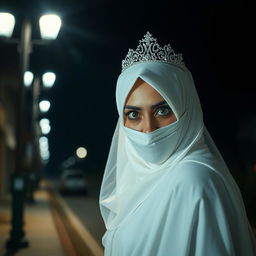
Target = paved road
(86,208)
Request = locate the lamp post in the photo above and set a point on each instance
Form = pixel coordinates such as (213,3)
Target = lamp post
(17,236)
(33,172)
(33,175)
(49,28)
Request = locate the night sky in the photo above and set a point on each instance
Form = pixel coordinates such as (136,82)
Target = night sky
(215,38)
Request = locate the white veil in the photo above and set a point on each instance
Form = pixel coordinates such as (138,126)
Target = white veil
(129,179)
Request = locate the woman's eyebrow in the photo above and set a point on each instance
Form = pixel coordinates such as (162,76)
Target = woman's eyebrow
(163,102)
(132,107)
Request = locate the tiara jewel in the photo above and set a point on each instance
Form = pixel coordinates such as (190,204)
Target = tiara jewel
(149,50)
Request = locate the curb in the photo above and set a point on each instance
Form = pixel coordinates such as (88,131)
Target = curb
(75,237)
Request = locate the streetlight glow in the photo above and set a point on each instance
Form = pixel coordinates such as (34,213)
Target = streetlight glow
(43,143)
(44,105)
(44,121)
(45,155)
(49,26)
(48,79)
(81,152)
(45,126)
(44,148)
(43,140)
(28,78)
(7,22)
(46,129)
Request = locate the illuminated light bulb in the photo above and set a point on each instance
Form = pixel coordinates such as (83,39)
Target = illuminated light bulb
(81,152)
(43,142)
(7,22)
(45,125)
(49,26)
(44,105)
(48,79)
(44,121)
(28,78)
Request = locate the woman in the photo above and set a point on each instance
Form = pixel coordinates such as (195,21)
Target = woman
(166,189)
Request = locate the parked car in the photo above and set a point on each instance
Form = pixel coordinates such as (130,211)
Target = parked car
(73,181)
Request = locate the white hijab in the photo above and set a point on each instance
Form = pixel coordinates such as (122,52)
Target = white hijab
(138,161)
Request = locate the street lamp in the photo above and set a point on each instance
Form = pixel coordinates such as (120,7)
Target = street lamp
(44,105)
(45,126)
(7,22)
(81,152)
(48,79)
(28,78)
(33,175)
(44,148)
(49,26)
(52,23)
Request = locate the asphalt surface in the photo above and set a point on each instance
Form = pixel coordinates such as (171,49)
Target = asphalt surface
(86,208)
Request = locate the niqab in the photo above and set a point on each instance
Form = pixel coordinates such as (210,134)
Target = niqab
(139,163)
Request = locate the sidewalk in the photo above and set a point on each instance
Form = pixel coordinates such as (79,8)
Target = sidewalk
(39,228)
(50,227)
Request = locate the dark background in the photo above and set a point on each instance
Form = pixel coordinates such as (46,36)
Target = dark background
(215,38)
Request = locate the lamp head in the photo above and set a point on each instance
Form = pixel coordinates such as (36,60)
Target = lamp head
(7,22)
(49,26)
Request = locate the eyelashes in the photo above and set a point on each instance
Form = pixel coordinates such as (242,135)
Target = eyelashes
(164,111)
(132,115)
(160,112)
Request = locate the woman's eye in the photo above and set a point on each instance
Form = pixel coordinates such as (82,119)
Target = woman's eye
(132,115)
(163,111)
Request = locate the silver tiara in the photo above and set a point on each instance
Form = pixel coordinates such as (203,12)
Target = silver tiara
(149,50)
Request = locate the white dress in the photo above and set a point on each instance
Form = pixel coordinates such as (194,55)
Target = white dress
(189,213)
(189,205)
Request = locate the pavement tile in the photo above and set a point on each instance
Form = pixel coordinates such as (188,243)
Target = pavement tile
(39,228)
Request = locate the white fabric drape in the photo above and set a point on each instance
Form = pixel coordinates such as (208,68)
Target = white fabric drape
(180,200)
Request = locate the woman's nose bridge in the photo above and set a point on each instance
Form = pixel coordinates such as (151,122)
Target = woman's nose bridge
(149,124)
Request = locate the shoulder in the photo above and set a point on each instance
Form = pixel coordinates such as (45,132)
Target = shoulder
(195,172)
(199,178)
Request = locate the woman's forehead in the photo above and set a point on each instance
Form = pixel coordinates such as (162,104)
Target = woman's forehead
(143,94)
